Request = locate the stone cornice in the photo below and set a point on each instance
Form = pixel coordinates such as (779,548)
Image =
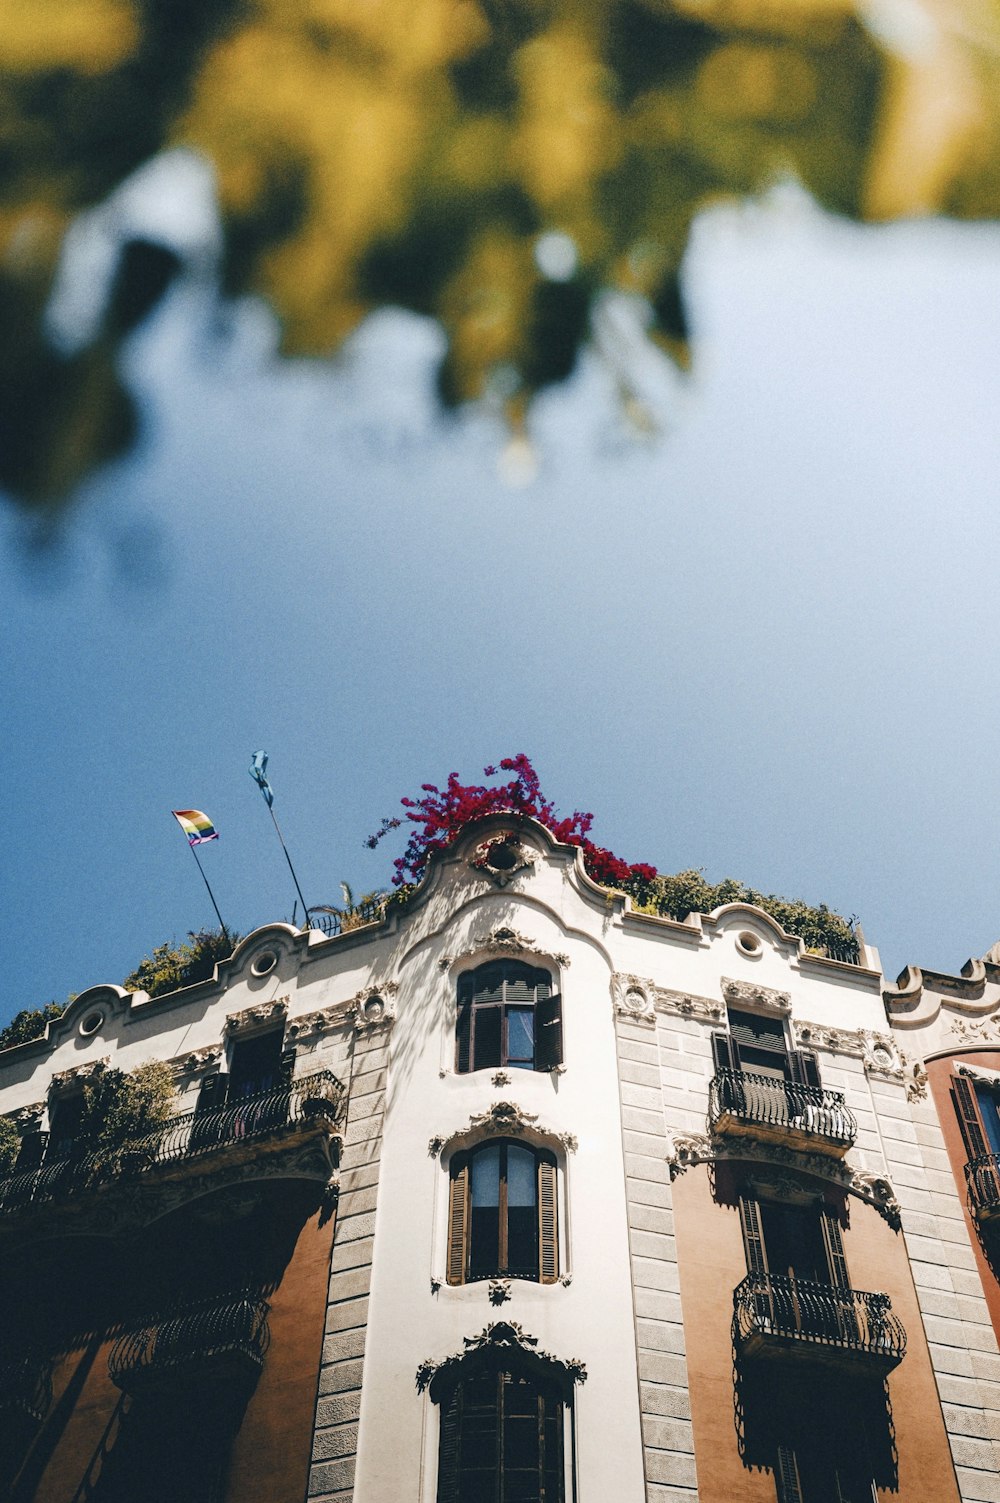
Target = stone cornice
(497,1337)
(503,941)
(257,1017)
(504,1118)
(638,999)
(689,1149)
(757,998)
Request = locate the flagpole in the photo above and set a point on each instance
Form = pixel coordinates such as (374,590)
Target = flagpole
(211,894)
(258,771)
(298,889)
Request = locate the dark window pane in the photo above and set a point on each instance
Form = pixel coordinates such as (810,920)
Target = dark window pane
(522,1242)
(486,1038)
(484,1242)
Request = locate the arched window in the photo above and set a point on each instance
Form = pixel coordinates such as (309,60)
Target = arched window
(508,1016)
(502,1213)
(502,1439)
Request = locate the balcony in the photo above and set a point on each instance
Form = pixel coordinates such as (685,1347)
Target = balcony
(798,1319)
(982,1178)
(292,1121)
(771,1110)
(221,1344)
(25,1391)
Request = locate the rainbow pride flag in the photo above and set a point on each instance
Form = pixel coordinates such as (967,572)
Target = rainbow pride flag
(196,826)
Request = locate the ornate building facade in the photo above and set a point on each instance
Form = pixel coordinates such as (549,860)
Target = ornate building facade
(515,1195)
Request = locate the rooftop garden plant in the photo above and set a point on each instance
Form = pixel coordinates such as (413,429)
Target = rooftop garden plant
(436,819)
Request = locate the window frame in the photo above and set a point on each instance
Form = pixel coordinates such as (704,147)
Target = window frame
(470,1016)
(459,1243)
(554,1394)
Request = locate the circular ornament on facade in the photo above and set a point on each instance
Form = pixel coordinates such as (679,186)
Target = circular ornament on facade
(748,942)
(264,963)
(373,1009)
(882,1056)
(92,1023)
(501,857)
(635,1000)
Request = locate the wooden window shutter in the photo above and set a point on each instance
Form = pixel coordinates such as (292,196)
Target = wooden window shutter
(287,1068)
(212,1093)
(786,1476)
(973,1133)
(835,1256)
(450,1447)
(548,1033)
(458,1218)
(753,1239)
(463,1038)
(804,1067)
(725,1051)
(548,1235)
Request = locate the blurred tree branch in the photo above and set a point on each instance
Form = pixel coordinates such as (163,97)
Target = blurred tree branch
(496,165)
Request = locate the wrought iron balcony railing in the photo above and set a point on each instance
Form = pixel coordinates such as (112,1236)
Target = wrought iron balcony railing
(25,1389)
(982,1177)
(317,1097)
(776,1316)
(741,1103)
(217,1341)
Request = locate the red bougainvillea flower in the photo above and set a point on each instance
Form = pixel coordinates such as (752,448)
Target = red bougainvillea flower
(442,813)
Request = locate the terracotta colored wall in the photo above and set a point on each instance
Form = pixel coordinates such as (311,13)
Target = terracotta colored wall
(712,1263)
(271,1452)
(940,1072)
(270,1458)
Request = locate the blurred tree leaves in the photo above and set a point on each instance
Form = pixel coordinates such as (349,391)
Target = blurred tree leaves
(494,163)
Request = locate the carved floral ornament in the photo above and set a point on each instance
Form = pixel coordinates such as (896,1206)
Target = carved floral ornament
(503,941)
(504,1119)
(761,998)
(374,1007)
(639,999)
(501,857)
(979,1031)
(64,1081)
(312,1024)
(198,1060)
(876,1189)
(498,1337)
(257,1017)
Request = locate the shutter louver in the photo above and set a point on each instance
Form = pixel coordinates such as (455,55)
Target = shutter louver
(804,1067)
(725,1052)
(786,1476)
(757,1033)
(287,1068)
(448,1454)
(463,1038)
(834,1244)
(548,1235)
(211,1092)
(967,1107)
(458,1219)
(753,1240)
(548,1033)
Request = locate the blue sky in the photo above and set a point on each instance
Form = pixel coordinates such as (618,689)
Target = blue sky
(763,644)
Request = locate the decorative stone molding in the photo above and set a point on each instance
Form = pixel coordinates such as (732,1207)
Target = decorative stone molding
(64,1082)
(689,1149)
(499,1335)
(504,1118)
(881,1056)
(632,997)
(639,999)
(257,1017)
(313,1024)
(374,1007)
(749,994)
(835,1040)
(28,1118)
(503,941)
(499,1291)
(916,1080)
(501,1078)
(198,1060)
(502,857)
(982,1031)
